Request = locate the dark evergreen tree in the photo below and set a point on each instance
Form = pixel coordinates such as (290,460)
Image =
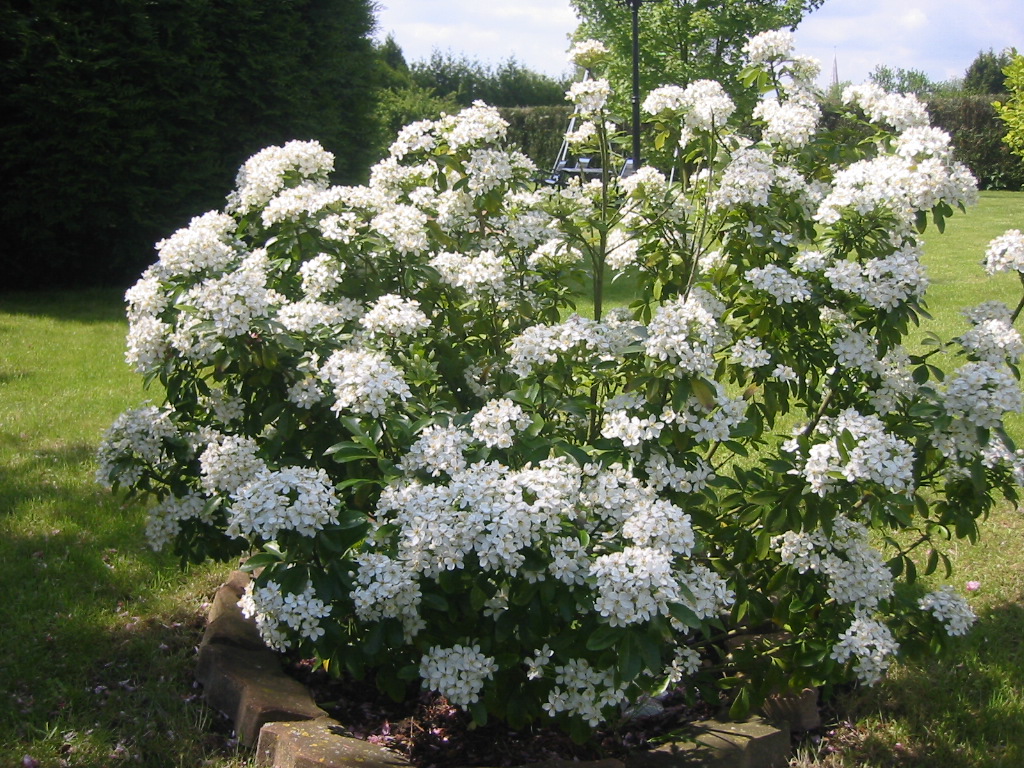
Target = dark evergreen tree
(123,118)
(985,73)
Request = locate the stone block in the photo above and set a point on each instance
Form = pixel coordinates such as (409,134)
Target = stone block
(249,687)
(319,743)
(226,598)
(800,710)
(751,744)
(232,629)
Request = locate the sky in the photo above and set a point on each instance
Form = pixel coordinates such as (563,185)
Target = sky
(939,37)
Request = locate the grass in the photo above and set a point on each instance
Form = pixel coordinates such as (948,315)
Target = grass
(98,633)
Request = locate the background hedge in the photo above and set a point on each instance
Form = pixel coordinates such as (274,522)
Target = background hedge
(124,118)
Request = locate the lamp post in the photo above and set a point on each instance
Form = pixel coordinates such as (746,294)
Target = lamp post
(634,6)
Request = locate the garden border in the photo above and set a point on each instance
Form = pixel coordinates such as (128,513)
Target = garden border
(276,714)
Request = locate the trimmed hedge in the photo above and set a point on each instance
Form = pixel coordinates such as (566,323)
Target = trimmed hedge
(977,135)
(122,119)
(538,131)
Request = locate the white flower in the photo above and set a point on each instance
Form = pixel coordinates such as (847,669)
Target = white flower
(300,499)
(228,462)
(457,673)
(749,353)
(872,645)
(1005,252)
(497,423)
(983,393)
(391,315)
(687,332)
(271,608)
(772,45)
(585,692)
(589,96)
(363,381)
(634,585)
(949,608)
(789,124)
(588,53)
(703,104)
(267,172)
(438,450)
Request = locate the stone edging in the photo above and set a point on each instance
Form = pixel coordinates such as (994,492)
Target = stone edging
(276,714)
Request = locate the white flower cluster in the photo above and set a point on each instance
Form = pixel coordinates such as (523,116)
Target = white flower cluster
(662,473)
(584,691)
(488,169)
(457,673)
(901,111)
(661,525)
(587,53)
(403,227)
(949,608)
(479,124)
(310,315)
(750,352)
(983,393)
(270,607)
(869,642)
(229,462)
(634,585)
(479,275)
(900,185)
(486,509)
(856,571)
(576,336)
(747,180)
(496,424)
(711,422)
(321,275)
(267,172)
(300,499)
(207,244)
(884,283)
(789,124)
(438,450)
(589,96)
(363,381)
(135,439)
(1005,252)
(993,339)
(687,332)
(877,456)
(164,520)
(783,286)
(703,104)
(769,46)
(391,315)
(387,589)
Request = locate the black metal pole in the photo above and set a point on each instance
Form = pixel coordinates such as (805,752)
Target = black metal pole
(635,5)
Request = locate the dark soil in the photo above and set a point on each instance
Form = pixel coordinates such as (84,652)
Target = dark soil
(431,733)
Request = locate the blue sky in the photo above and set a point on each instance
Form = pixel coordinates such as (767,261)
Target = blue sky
(939,37)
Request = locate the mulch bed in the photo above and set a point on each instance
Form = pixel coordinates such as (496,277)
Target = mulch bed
(431,733)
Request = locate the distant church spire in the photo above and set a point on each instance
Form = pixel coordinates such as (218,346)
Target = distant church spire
(835,68)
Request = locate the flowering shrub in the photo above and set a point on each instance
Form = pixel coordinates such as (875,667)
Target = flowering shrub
(444,475)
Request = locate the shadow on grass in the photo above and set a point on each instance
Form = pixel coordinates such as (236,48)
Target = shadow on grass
(92,305)
(962,711)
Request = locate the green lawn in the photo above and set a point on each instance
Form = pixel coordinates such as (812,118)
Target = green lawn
(98,633)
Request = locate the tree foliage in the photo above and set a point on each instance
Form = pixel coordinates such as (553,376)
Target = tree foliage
(1011,111)
(510,84)
(684,40)
(985,73)
(120,117)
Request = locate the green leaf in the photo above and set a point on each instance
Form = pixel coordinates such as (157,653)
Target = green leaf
(630,661)
(684,615)
(603,637)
